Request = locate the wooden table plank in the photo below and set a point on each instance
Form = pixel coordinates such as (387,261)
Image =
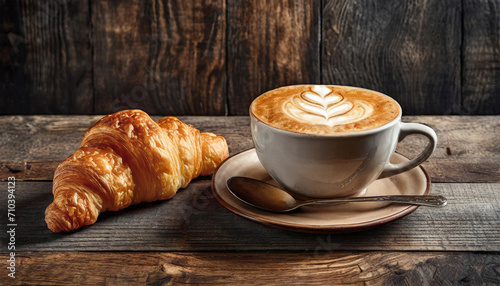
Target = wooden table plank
(206,243)
(405,49)
(468,146)
(46,63)
(193,220)
(481,58)
(318,268)
(33,146)
(270,44)
(160,56)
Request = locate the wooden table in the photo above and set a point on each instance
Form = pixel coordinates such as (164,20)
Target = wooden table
(193,239)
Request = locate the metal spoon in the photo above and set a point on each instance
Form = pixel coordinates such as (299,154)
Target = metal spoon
(270,198)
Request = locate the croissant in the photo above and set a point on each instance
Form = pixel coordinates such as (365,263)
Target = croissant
(127,158)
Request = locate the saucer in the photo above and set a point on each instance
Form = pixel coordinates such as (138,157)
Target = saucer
(331,218)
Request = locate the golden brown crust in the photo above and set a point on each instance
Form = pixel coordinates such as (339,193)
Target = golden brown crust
(126,158)
(214,152)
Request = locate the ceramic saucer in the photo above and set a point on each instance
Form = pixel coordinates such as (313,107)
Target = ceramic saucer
(346,217)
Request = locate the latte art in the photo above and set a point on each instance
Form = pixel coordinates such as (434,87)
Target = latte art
(324,109)
(323,106)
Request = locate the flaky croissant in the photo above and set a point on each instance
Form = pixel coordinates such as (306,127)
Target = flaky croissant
(127,158)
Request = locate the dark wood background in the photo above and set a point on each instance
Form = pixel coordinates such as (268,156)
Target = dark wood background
(213,57)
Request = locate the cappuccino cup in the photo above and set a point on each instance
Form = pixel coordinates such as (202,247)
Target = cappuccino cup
(324,141)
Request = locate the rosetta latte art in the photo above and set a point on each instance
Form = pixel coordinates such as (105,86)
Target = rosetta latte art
(322,106)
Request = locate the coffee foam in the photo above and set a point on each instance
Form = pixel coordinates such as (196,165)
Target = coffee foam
(320,109)
(322,106)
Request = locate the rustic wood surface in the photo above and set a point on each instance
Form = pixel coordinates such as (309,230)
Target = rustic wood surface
(213,57)
(372,268)
(481,61)
(45,57)
(193,239)
(396,48)
(467,150)
(193,220)
(161,56)
(270,44)
(33,146)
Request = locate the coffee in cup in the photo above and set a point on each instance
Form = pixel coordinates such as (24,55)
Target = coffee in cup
(324,141)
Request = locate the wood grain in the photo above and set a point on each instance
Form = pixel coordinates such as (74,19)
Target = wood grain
(171,56)
(409,50)
(468,147)
(33,146)
(481,57)
(193,220)
(45,63)
(373,268)
(270,44)
(202,242)
(165,57)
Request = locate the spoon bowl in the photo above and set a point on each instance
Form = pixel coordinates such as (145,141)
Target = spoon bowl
(265,196)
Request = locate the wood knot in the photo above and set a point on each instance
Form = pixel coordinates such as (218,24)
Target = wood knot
(174,270)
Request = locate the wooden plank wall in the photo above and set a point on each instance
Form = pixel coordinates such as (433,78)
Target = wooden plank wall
(214,57)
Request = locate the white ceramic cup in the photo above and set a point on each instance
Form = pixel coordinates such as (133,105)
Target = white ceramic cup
(335,165)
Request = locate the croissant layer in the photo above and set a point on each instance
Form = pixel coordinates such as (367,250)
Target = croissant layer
(127,158)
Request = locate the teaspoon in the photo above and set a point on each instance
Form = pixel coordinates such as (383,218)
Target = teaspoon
(270,198)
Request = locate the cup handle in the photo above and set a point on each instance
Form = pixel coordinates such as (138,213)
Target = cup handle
(407,129)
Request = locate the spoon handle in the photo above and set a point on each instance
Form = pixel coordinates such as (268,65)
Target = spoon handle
(430,201)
